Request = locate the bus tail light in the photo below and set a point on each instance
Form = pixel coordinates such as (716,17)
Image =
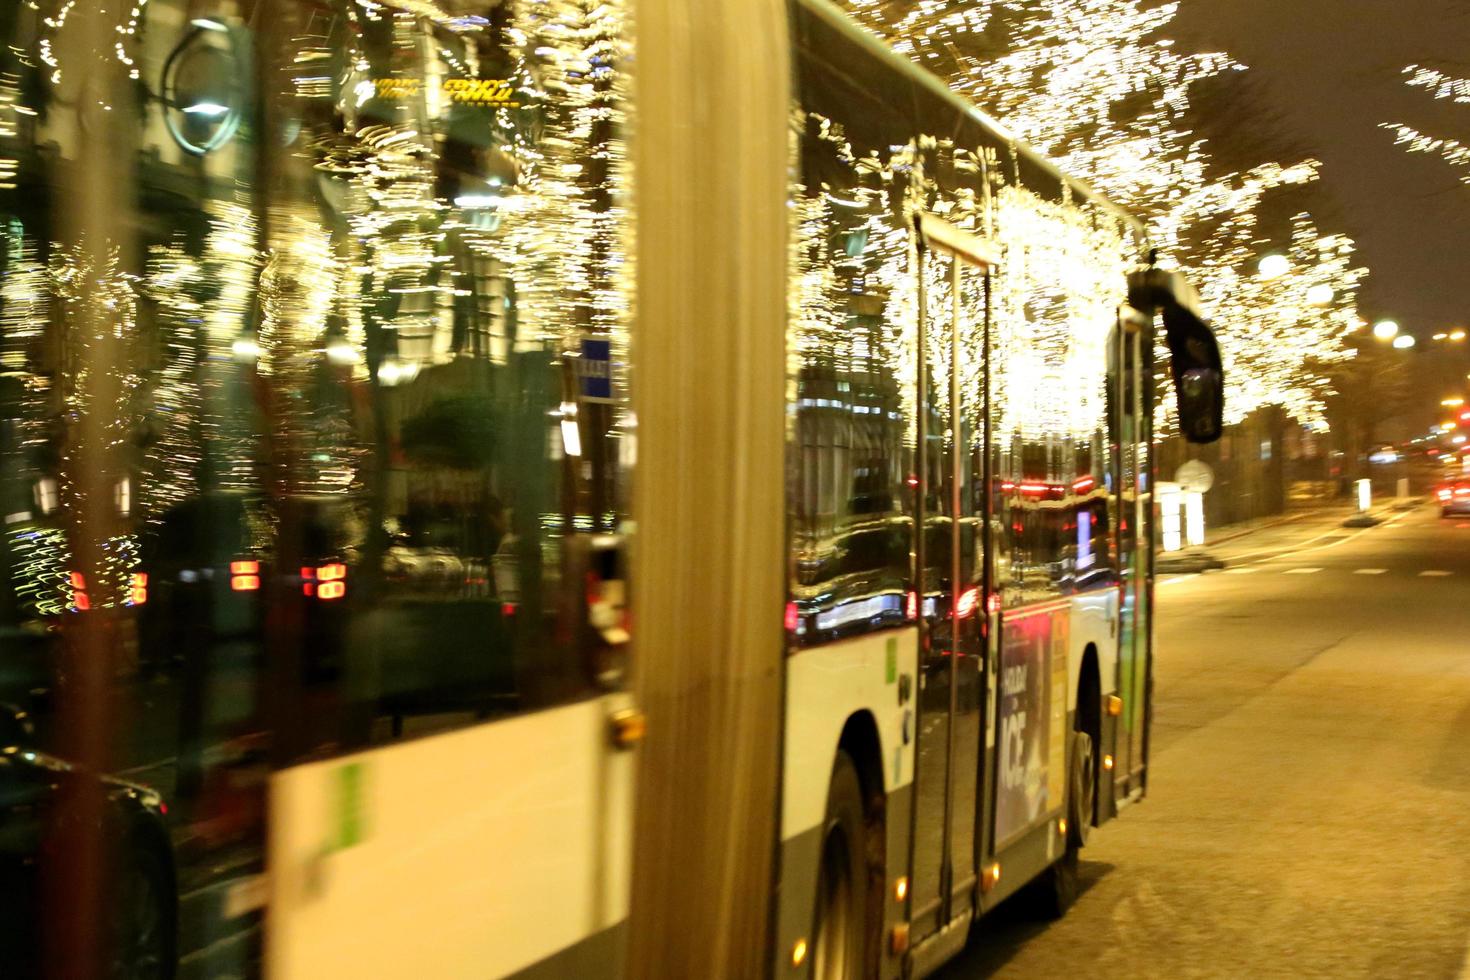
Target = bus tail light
(911,606)
(793,617)
(1444,493)
(138,588)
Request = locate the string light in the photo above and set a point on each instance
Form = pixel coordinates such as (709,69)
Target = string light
(1092,85)
(1440,86)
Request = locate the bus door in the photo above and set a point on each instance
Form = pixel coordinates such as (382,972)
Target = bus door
(953,300)
(1133,426)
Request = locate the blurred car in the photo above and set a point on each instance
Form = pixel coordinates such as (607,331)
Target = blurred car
(207,568)
(142,896)
(1454,499)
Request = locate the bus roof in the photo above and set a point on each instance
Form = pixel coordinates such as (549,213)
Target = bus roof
(837,19)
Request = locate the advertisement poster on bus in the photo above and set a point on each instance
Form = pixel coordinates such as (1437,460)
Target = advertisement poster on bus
(1032,719)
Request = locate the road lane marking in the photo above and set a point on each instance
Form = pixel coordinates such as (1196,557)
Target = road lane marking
(1278,554)
(1301,571)
(1241,571)
(1435,573)
(1370,571)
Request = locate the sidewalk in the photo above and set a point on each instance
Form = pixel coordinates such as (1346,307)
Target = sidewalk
(1268,533)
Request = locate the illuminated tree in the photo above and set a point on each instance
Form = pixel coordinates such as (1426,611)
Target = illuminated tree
(1094,85)
(1440,85)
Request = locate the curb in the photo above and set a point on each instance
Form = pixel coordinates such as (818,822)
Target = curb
(1284,519)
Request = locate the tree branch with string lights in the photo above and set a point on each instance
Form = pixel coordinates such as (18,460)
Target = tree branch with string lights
(1096,86)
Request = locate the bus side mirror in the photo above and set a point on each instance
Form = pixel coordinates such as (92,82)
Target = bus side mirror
(1194,354)
(1199,378)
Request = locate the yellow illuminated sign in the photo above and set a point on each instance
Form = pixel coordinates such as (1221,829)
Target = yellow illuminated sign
(495,92)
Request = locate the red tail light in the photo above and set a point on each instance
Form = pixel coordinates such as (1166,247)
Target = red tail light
(79,599)
(244,568)
(138,588)
(911,606)
(793,617)
(331,590)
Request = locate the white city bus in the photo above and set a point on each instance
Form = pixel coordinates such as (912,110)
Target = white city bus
(553,488)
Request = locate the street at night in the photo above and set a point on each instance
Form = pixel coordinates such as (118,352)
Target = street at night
(734,489)
(1310,775)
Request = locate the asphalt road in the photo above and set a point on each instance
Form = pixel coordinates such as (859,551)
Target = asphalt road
(1309,804)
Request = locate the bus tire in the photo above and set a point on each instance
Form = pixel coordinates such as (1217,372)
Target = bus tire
(1055,890)
(839,947)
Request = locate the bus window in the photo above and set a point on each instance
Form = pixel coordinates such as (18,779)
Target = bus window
(312,361)
(850,455)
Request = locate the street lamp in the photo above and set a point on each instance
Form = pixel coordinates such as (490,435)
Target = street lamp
(1385,329)
(1273,266)
(1320,294)
(1403,341)
(1457,335)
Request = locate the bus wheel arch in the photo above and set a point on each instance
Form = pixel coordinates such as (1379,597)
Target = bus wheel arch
(853,850)
(1088,719)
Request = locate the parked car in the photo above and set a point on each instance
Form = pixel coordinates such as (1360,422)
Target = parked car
(141,892)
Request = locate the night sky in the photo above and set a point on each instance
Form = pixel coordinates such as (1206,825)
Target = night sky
(1331,69)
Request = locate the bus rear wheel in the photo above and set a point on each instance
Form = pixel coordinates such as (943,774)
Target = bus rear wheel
(839,950)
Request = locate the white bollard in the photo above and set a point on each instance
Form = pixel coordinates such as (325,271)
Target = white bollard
(1194,518)
(1170,503)
(1365,496)
(1403,488)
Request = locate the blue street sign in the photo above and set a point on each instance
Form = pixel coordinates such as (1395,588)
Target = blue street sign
(594,368)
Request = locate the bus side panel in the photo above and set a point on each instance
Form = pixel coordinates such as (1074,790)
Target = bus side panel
(528,876)
(826,686)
